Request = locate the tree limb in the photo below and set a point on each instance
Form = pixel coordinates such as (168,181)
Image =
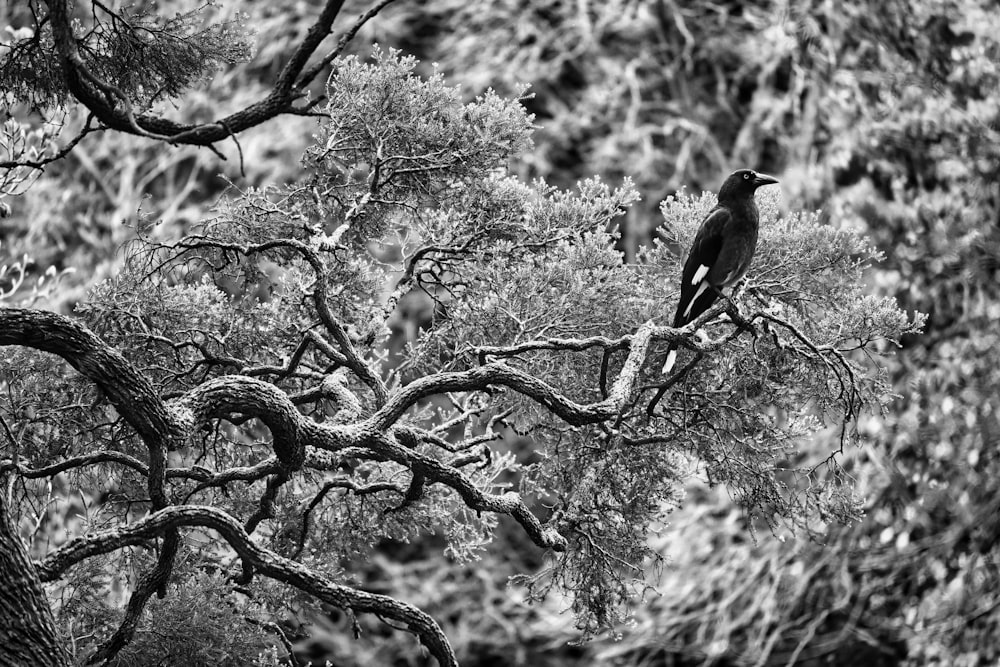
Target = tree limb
(501,374)
(321,291)
(263,560)
(291,431)
(111,107)
(128,390)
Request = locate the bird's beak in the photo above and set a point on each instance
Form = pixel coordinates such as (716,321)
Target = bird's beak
(764,179)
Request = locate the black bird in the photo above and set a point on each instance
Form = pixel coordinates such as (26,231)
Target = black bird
(722,250)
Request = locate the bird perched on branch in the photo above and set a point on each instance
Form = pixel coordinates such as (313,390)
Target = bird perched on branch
(722,250)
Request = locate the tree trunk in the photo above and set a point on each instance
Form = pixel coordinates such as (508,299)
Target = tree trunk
(27,629)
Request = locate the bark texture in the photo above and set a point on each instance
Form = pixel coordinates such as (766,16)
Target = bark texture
(27,629)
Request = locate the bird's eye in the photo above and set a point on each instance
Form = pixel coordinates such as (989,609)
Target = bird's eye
(746,176)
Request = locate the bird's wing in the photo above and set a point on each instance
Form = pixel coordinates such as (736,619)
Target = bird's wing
(696,277)
(706,246)
(733,259)
(703,256)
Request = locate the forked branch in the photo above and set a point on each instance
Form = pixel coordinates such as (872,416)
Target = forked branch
(263,560)
(113,109)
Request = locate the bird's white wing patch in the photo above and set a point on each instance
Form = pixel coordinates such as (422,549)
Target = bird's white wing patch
(671,359)
(699,274)
(701,288)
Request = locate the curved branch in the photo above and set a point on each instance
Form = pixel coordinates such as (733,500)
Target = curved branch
(112,107)
(567,344)
(128,390)
(348,355)
(501,374)
(292,432)
(263,560)
(105,456)
(223,396)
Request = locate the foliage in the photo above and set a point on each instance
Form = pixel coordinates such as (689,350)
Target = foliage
(176,52)
(200,622)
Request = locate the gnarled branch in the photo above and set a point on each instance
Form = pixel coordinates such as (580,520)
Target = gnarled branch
(499,374)
(114,110)
(128,390)
(264,561)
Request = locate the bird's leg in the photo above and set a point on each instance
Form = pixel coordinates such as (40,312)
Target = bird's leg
(723,293)
(733,311)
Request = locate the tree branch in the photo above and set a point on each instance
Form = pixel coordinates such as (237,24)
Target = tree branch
(347,353)
(28,629)
(292,432)
(105,456)
(127,389)
(501,374)
(311,73)
(567,344)
(41,163)
(209,479)
(112,107)
(153,581)
(220,398)
(263,560)
(316,34)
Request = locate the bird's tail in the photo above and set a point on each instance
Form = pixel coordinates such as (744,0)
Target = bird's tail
(668,364)
(671,359)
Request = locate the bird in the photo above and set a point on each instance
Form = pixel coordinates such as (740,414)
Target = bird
(722,250)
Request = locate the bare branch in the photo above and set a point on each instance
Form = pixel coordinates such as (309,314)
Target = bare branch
(209,479)
(153,581)
(265,507)
(316,34)
(275,629)
(509,503)
(357,489)
(58,155)
(566,344)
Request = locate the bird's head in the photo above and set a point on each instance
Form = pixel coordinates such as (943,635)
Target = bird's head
(742,183)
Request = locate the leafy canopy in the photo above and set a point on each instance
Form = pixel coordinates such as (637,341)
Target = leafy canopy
(526,307)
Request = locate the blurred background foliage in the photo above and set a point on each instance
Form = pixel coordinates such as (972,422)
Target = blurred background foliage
(884,115)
